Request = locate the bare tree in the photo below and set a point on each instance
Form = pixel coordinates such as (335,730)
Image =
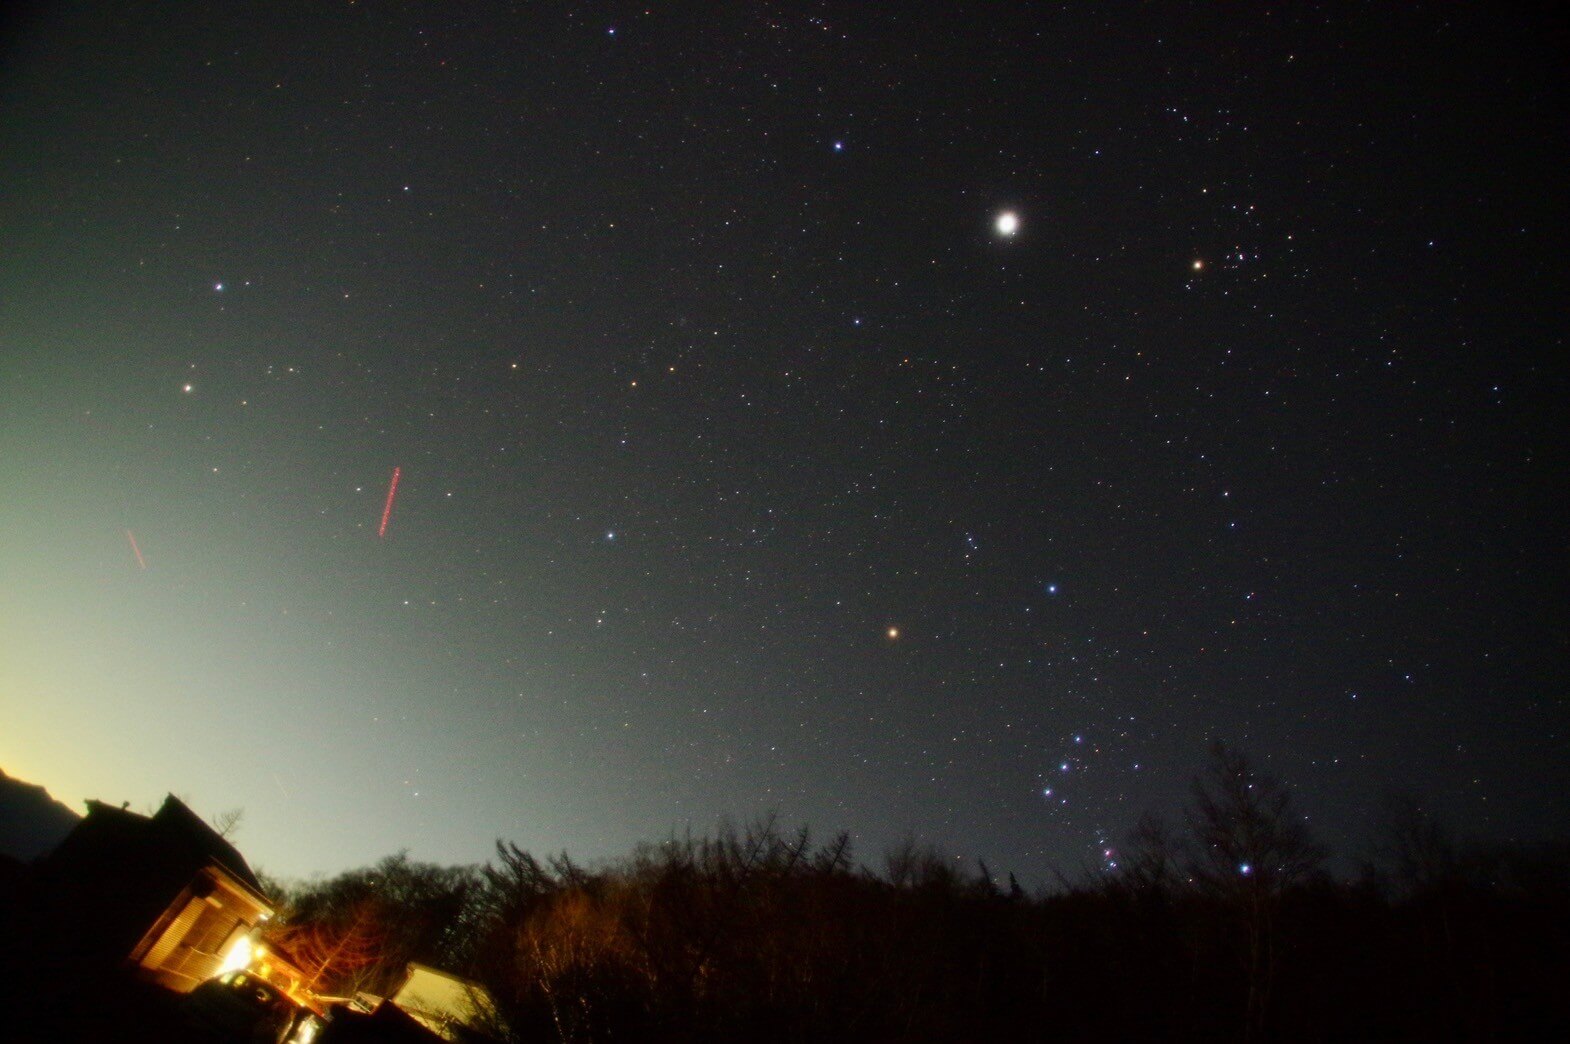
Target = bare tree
(1152,859)
(1250,846)
(335,950)
(1421,853)
(914,864)
(227,822)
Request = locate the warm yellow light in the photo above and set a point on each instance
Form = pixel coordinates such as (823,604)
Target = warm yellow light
(893,633)
(238,956)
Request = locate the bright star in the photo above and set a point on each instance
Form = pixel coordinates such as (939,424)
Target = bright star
(1007,223)
(893,634)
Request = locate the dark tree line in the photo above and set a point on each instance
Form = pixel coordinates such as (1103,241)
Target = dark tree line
(1226,929)
(358,931)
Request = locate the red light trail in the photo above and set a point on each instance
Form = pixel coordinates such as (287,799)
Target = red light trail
(392,491)
(135,550)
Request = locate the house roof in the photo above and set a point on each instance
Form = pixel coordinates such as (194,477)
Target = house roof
(176,827)
(179,820)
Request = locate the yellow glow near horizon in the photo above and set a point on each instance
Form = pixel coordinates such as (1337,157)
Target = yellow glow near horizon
(63,783)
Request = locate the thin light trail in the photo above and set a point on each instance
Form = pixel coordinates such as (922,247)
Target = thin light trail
(392,491)
(135,550)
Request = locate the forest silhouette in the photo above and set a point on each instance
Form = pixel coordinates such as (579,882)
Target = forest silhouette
(1225,926)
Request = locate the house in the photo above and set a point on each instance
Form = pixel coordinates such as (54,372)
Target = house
(445,1003)
(164,895)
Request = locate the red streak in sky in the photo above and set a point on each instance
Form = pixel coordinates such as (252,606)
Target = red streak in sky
(135,550)
(392,491)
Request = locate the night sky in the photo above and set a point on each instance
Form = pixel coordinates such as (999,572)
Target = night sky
(935,423)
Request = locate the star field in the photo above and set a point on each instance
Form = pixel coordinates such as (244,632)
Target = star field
(927,423)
